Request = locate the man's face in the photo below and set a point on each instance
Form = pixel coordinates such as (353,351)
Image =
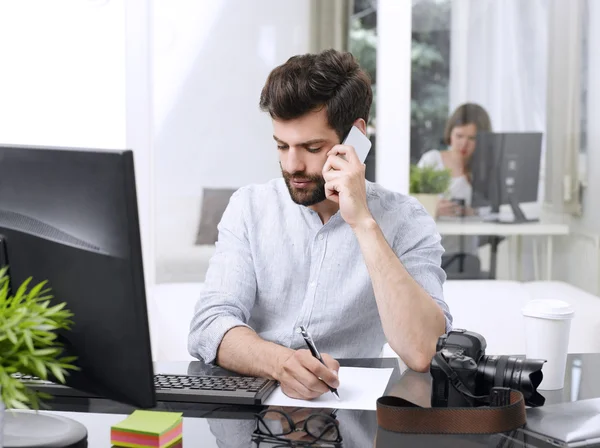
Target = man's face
(303,144)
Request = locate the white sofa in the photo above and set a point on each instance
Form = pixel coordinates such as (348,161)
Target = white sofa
(492,308)
(178,258)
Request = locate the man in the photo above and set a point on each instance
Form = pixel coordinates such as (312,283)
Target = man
(356,264)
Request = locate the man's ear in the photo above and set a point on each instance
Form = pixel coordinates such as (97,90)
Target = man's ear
(360,124)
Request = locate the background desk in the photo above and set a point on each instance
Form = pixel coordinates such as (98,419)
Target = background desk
(230,427)
(546,227)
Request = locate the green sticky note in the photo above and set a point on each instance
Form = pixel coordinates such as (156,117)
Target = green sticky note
(154,423)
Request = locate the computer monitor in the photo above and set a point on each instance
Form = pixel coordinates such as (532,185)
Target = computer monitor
(70,217)
(505,169)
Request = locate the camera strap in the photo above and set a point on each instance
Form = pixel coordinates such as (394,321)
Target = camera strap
(506,413)
(455,379)
(399,415)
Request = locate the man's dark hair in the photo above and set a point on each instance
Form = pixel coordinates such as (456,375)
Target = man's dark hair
(330,79)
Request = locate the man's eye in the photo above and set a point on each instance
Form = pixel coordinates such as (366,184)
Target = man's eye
(313,149)
(281,147)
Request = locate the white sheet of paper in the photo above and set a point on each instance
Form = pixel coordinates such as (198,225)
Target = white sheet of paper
(360,387)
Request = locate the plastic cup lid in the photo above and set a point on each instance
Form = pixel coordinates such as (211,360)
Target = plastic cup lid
(548,309)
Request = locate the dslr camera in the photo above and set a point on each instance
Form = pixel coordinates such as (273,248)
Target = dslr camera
(463,376)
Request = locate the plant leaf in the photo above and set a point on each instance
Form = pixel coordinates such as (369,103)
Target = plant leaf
(57,372)
(16,404)
(28,341)
(29,344)
(41,368)
(55,309)
(45,396)
(21,291)
(20,395)
(68,359)
(35,291)
(46,351)
(429,180)
(24,360)
(11,336)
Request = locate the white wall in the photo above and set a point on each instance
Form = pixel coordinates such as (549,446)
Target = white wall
(591,216)
(63,73)
(211,60)
(394,25)
(139,119)
(498,51)
(65,82)
(578,258)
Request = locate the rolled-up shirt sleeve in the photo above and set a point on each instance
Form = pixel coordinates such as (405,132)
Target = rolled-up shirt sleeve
(422,257)
(229,290)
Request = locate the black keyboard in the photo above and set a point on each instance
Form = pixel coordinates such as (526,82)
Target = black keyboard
(184,388)
(213,389)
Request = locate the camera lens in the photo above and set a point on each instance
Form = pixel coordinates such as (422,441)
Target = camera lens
(524,375)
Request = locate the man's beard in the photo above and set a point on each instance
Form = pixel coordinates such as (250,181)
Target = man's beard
(310,195)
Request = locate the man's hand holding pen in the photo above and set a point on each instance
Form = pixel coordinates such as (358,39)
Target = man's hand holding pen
(304,377)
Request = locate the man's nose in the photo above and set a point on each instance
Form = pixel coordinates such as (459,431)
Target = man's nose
(295,161)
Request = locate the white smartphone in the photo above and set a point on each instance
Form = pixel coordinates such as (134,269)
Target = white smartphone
(360,143)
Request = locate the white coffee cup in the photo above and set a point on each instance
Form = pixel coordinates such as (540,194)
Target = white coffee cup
(547,329)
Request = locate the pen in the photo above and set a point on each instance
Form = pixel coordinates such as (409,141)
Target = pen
(313,349)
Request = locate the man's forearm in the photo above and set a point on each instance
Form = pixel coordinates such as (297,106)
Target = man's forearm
(412,321)
(244,352)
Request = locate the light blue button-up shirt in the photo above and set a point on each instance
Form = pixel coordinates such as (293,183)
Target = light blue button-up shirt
(276,266)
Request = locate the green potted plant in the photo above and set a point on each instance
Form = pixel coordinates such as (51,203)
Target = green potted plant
(29,343)
(427,184)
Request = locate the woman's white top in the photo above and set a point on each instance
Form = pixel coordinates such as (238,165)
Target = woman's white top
(460,188)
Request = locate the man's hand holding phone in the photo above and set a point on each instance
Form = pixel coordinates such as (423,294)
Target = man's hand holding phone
(303,376)
(345,185)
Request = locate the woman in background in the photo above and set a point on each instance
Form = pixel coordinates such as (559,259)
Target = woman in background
(460,136)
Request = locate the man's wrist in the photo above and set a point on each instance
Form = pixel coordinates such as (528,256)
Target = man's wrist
(365,225)
(278,357)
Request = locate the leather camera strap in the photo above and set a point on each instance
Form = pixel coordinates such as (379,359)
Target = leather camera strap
(398,415)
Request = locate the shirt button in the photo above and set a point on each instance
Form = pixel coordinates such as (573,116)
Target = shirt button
(321,236)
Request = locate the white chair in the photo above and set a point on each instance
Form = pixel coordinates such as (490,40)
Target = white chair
(174,308)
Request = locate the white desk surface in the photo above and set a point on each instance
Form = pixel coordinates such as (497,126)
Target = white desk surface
(466,227)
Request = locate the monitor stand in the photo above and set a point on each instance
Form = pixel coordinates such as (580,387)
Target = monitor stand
(32,429)
(518,215)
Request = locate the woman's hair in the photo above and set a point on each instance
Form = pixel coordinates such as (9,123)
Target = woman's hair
(468,113)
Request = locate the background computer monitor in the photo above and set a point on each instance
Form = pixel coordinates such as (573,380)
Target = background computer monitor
(505,169)
(70,217)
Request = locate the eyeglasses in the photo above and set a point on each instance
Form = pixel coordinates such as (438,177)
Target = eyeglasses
(275,428)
